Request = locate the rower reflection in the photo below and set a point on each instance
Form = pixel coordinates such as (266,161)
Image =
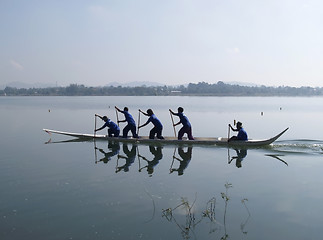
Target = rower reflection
(130,157)
(185,158)
(241,154)
(158,155)
(114,147)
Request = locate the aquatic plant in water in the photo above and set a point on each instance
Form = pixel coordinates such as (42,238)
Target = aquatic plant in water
(188,226)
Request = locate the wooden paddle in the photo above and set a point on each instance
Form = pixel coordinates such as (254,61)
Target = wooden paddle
(94,125)
(171,116)
(234,123)
(117,117)
(138,122)
(95,154)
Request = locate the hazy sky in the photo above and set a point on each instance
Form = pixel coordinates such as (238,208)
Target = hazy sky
(269,42)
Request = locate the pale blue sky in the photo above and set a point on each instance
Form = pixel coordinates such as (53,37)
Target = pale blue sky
(269,42)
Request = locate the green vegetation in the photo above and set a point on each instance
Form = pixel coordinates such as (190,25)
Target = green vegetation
(192,89)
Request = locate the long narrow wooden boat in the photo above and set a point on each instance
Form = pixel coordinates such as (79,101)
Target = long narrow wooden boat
(172,140)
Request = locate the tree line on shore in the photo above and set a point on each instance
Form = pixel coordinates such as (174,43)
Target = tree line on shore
(193,89)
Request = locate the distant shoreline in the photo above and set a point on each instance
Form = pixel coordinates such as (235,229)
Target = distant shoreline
(219,89)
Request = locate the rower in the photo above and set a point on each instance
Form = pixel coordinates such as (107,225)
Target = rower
(158,127)
(187,128)
(242,134)
(113,129)
(131,126)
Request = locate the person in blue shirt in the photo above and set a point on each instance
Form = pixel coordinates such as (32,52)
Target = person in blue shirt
(131,126)
(242,134)
(113,129)
(158,127)
(186,128)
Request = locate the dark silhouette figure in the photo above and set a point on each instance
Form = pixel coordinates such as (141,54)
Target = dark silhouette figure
(130,157)
(114,147)
(158,155)
(186,158)
(241,154)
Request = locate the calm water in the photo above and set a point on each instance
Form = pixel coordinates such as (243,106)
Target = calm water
(55,188)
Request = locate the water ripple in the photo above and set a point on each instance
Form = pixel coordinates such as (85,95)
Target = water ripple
(305,146)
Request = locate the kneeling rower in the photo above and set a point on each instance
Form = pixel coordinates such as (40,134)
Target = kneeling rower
(113,129)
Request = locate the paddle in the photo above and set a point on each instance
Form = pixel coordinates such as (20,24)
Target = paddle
(171,116)
(94,125)
(138,122)
(95,154)
(117,117)
(234,123)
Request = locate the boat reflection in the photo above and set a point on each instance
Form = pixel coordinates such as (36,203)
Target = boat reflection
(184,160)
(158,155)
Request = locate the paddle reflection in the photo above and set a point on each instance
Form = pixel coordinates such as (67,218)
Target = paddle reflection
(156,151)
(184,160)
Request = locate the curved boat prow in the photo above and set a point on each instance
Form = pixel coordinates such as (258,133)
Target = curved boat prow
(278,135)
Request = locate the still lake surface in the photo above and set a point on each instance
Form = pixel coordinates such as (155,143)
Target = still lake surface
(54,188)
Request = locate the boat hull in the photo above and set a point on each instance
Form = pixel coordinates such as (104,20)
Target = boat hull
(172,140)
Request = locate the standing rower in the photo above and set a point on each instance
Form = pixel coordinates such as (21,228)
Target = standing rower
(131,126)
(187,128)
(158,127)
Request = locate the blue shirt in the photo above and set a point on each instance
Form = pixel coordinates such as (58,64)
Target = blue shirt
(183,119)
(129,118)
(242,135)
(154,120)
(111,125)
